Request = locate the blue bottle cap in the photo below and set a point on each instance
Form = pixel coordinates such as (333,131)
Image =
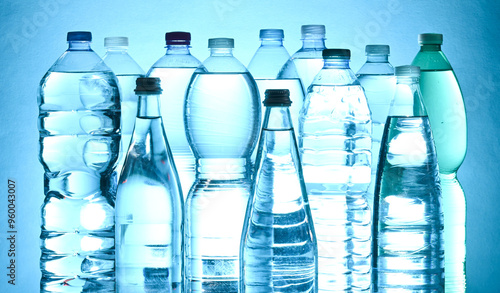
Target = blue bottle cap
(377,50)
(271,34)
(277,97)
(79,37)
(430,39)
(336,54)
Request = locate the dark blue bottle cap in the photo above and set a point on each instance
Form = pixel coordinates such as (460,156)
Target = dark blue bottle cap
(79,37)
(277,97)
(178,38)
(336,54)
(147,86)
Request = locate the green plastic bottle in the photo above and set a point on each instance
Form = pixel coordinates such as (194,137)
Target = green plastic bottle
(445,106)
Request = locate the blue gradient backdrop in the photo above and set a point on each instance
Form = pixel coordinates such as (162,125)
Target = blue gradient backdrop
(33,36)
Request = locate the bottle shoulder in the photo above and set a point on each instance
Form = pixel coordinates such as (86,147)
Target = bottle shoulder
(176,61)
(431,61)
(376,69)
(122,64)
(79,61)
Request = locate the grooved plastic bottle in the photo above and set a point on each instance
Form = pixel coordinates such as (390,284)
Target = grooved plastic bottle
(222,123)
(408,219)
(266,64)
(444,102)
(377,78)
(175,69)
(127,71)
(149,205)
(307,61)
(334,144)
(79,124)
(278,245)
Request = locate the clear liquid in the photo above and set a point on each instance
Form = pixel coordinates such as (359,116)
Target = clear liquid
(308,68)
(335,144)
(408,251)
(174,82)
(379,91)
(79,143)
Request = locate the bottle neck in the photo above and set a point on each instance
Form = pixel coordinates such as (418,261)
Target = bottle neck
(178,49)
(317,43)
(221,52)
(223,168)
(430,47)
(336,63)
(377,58)
(277,118)
(148,106)
(271,42)
(79,46)
(407,98)
(116,50)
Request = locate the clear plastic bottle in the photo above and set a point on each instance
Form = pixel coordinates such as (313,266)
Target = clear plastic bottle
(445,105)
(307,61)
(79,124)
(222,124)
(407,228)
(377,78)
(334,144)
(127,71)
(175,69)
(149,205)
(278,246)
(266,64)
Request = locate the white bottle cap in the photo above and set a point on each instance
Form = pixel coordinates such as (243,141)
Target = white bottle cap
(377,50)
(313,29)
(407,70)
(221,43)
(430,39)
(116,42)
(271,34)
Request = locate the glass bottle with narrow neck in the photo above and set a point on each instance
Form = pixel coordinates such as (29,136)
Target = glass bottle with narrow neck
(222,120)
(175,69)
(278,246)
(149,205)
(408,220)
(444,102)
(307,61)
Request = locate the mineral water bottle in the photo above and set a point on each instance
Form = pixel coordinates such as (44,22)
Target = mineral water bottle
(222,122)
(407,227)
(127,71)
(445,106)
(149,205)
(307,61)
(79,124)
(266,64)
(278,246)
(334,144)
(377,79)
(174,70)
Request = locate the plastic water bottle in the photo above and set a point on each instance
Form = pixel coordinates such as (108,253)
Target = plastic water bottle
(445,105)
(267,63)
(175,69)
(377,79)
(278,247)
(222,123)
(307,61)
(334,143)
(407,248)
(127,71)
(149,205)
(79,124)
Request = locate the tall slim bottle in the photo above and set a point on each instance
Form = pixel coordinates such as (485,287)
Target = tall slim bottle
(307,61)
(222,123)
(149,205)
(175,69)
(79,124)
(444,102)
(127,71)
(408,219)
(278,245)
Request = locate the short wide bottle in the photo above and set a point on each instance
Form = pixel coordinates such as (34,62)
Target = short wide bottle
(149,205)
(278,247)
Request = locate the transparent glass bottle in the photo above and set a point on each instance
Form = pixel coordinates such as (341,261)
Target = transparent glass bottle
(334,144)
(278,245)
(444,102)
(222,124)
(408,219)
(377,78)
(175,69)
(266,64)
(149,205)
(307,61)
(127,71)
(79,125)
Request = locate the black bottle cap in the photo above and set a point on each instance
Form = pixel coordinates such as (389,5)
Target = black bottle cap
(148,86)
(336,54)
(277,97)
(178,38)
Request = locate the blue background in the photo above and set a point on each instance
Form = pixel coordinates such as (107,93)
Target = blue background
(33,36)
